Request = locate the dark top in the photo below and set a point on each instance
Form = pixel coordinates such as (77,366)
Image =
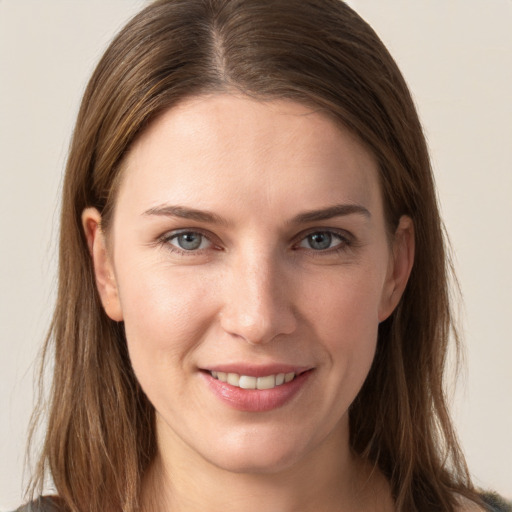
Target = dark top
(494,503)
(43,504)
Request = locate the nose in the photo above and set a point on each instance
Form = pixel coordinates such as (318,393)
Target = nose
(258,301)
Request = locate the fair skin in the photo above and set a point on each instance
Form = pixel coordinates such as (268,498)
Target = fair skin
(249,240)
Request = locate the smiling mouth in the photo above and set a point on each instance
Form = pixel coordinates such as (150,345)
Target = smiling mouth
(250,382)
(262,391)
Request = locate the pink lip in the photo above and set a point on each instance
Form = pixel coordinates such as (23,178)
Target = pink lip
(256,400)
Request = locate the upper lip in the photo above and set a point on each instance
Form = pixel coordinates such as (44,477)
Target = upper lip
(257,370)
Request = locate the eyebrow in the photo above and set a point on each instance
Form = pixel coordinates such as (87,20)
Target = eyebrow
(338,210)
(186,213)
(330,212)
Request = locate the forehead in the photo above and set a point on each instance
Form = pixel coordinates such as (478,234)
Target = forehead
(220,150)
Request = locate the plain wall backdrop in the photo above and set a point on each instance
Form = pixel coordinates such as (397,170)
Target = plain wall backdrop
(457,58)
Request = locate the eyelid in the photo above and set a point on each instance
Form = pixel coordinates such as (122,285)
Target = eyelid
(347,239)
(333,238)
(166,238)
(345,235)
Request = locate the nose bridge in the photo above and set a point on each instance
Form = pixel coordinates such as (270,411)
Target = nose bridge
(258,303)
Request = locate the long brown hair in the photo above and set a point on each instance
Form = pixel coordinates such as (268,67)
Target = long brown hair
(100,437)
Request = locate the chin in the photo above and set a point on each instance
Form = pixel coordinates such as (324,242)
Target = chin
(255,455)
(260,464)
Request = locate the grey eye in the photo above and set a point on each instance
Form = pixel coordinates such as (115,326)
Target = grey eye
(321,240)
(189,241)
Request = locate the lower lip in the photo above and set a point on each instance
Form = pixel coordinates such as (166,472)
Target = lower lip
(256,400)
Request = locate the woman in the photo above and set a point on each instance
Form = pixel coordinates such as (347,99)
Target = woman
(253,306)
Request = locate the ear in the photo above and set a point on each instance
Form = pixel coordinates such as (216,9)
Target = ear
(400,266)
(103,267)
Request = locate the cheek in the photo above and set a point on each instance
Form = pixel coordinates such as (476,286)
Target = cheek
(345,318)
(347,303)
(165,315)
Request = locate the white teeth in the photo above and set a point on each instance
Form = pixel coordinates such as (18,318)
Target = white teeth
(267,382)
(248,382)
(289,377)
(233,379)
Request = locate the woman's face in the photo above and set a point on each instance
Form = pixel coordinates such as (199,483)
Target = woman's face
(249,245)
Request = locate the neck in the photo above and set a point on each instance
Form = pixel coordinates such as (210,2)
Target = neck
(330,479)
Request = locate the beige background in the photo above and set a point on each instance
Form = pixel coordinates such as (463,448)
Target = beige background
(457,58)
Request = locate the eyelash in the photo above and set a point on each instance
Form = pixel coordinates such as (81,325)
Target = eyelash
(166,239)
(346,241)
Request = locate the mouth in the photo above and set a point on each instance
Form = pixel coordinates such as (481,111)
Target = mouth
(256,389)
(251,382)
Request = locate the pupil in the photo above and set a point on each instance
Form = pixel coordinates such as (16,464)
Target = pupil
(189,241)
(320,240)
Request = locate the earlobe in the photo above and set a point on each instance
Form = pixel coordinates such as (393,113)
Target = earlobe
(103,266)
(400,268)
